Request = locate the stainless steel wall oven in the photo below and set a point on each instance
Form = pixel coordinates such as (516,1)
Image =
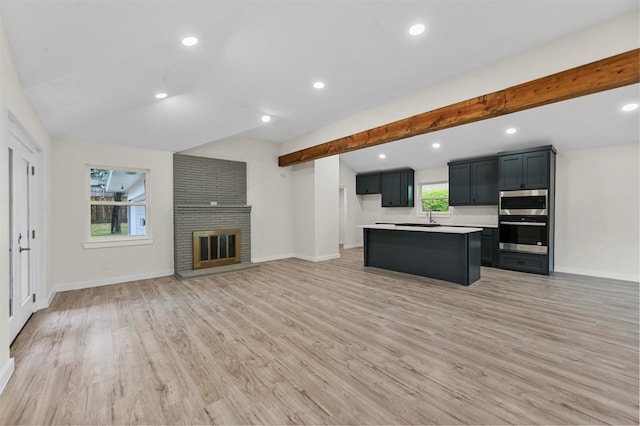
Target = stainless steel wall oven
(524,224)
(528,234)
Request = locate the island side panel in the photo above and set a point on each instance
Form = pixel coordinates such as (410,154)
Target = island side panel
(437,255)
(474,255)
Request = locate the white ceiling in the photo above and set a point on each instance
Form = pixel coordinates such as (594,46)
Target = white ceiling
(91,68)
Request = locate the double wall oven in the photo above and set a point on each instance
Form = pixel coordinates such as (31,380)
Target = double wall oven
(524,221)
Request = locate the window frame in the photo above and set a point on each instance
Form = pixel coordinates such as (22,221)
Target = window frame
(90,241)
(419,211)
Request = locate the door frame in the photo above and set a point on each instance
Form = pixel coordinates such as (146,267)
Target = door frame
(37,206)
(342,221)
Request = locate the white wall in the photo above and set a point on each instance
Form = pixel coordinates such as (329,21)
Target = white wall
(269,192)
(13,99)
(353,206)
(304,212)
(79,267)
(597,212)
(327,215)
(342,208)
(316,220)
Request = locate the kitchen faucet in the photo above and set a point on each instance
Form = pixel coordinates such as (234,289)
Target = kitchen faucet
(429,216)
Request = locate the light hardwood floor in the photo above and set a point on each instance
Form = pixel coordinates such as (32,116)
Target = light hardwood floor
(295,342)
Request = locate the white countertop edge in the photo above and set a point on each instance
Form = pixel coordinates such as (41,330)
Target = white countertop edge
(471,225)
(441,229)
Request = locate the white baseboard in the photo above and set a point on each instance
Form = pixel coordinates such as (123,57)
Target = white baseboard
(350,246)
(5,373)
(317,259)
(270,258)
(45,303)
(303,256)
(598,274)
(112,280)
(51,296)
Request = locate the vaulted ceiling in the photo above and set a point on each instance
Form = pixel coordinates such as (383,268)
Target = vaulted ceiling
(92,68)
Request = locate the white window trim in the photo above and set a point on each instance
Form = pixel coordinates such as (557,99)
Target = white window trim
(419,212)
(119,241)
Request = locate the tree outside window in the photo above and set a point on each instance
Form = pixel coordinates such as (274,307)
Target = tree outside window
(434,197)
(117,202)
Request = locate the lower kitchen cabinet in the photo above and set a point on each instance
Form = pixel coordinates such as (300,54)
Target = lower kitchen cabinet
(524,262)
(489,247)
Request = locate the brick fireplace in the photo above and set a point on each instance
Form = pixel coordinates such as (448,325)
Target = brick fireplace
(210,204)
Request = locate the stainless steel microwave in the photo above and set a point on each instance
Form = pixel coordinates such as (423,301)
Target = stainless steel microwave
(531,202)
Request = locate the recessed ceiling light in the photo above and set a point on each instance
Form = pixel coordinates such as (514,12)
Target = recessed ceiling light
(436,145)
(511,130)
(190,41)
(416,29)
(318,85)
(161,95)
(382,156)
(265,118)
(630,107)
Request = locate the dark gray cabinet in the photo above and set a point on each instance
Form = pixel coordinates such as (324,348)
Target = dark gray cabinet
(441,255)
(473,182)
(524,262)
(532,168)
(524,171)
(484,182)
(489,247)
(397,188)
(368,183)
(459,184)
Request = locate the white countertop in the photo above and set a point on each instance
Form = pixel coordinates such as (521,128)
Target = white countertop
(442,229)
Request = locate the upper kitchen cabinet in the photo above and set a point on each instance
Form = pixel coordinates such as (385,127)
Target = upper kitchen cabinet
(397,188)
(526,169)
(473,182)
(368,183)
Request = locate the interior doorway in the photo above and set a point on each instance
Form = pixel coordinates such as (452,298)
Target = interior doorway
(22,276)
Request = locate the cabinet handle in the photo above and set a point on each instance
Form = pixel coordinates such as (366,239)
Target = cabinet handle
(521,262)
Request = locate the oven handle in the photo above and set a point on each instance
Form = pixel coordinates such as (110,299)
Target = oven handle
(524,223)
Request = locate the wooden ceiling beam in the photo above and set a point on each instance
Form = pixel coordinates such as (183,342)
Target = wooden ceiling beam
(605,74)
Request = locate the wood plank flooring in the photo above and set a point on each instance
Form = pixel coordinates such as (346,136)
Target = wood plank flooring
(295,342)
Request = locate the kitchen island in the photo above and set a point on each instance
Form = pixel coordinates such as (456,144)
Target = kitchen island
(441,252)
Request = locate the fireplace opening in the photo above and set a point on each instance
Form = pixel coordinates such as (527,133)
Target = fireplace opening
(216,248)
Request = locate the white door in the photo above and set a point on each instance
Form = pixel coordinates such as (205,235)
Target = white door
(21,300)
